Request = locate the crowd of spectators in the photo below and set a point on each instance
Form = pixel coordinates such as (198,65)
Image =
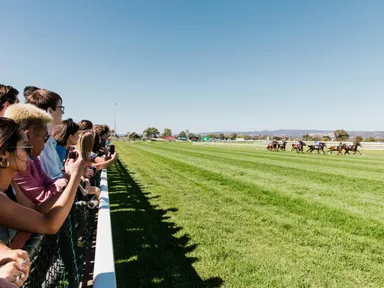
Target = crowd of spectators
(44,162)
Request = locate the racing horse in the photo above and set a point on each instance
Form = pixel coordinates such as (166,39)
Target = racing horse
(353,147)
(273,145)
(339,149)
(298,147)
(282,146)
(319,148)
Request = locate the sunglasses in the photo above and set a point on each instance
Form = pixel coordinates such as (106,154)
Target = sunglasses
(27,148)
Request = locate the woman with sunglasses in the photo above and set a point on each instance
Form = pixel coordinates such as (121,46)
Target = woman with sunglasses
(16,211)
(34,182)
(17,150)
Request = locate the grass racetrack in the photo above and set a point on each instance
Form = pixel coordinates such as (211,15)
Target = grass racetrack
(196,216)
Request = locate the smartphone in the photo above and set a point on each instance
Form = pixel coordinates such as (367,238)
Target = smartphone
(71,153)
(112,149)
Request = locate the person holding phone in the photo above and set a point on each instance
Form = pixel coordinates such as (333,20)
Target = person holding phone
(66,135)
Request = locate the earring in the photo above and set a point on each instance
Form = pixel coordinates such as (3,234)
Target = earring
(4,165)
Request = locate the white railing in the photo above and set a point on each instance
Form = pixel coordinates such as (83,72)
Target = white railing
(104,270)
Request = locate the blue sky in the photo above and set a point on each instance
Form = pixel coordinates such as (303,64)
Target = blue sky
(202,65)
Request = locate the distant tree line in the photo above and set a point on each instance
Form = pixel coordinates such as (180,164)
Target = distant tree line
(152,132)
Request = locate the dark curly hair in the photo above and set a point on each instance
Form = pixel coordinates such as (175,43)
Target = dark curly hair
(10,134)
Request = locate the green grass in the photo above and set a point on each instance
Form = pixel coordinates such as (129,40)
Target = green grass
(198,216)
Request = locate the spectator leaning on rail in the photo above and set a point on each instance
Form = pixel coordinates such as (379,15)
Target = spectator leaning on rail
(66,134)
(8,96)
(85,145)
(103,132)
(97,161)
(50,102)
(34,182)
(16,211)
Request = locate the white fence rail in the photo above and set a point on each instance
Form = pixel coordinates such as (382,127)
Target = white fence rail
(104,269)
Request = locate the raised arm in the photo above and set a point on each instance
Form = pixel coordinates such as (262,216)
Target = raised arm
(16,216)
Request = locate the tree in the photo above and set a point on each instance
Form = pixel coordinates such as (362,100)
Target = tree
(167,132)
(277,138)
(358,138)
(370,139)
(306,137)
(133,136)
(326,138)
(247,137)
(221,136)
(212,136)
(341,135)
(233,136)
(183,134)
(151,132)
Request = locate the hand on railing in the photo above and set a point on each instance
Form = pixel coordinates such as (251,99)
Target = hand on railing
(88,172)
(15,272)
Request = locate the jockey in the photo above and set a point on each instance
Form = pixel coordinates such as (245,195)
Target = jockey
(299,142)
(317,143)
(340,144)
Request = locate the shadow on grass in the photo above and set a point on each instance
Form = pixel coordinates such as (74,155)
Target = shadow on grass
(146,252)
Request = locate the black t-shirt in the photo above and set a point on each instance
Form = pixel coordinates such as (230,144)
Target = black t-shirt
(10,194)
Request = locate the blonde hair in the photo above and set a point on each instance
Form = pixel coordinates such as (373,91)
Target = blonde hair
(28,116)
(85,143)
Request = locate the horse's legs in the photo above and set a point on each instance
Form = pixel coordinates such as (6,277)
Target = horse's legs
(358,151)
